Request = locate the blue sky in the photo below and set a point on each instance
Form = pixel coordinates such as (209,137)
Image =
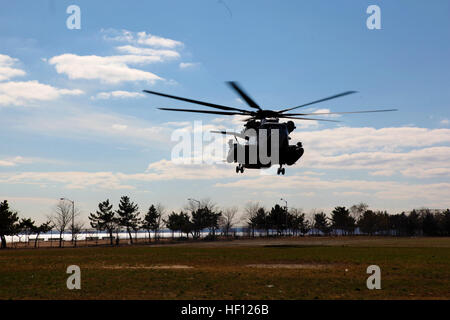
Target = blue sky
(74,123)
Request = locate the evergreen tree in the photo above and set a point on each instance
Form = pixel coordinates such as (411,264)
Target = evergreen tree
(368,222)
(173,223)
(128,215)
(342,220)
(186,225)
(104,219)
(278,218)
(43,228)
(9,222)
(152,221)
(321,223)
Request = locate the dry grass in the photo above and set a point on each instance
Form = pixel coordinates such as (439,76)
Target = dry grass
(305,268)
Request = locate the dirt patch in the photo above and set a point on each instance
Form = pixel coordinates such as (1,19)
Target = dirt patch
(289,266)
(174,266)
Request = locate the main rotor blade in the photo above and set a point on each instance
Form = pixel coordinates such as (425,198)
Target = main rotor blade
(203,111)
(301,118)
(207,104)
(236,134)
(323,113)
(244,95)
(321,100)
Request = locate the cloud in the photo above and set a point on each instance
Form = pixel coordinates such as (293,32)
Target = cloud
(161,54)
(142,38)
(24,93)
(120,127)
(109,69)
(407,151)
(444,122)
(319,111)
(156,41)
(7,71)
(162,170)
(75,123)
(19,160)
(348,139)
(116,68)
(431,193)
(11,162)
(188,65)
(71,179)
(118,95)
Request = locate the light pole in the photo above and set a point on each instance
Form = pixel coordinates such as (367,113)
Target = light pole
(286,208)
(73,214)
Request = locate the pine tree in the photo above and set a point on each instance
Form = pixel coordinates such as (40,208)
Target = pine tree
(321,223)
(8,222)
(128,215)
(43,228)
(152,221)
(104,219)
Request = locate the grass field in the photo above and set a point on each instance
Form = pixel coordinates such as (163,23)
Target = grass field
(305,268)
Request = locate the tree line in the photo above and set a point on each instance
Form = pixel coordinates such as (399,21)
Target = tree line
(199,216)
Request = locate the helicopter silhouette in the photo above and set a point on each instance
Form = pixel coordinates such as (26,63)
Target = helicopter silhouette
(266,138)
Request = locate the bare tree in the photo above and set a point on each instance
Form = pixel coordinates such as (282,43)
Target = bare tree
(61,218)
(194,205)
(251,213)
(357,210)
(205,215)
(75,229)
(156,220)
(228,220)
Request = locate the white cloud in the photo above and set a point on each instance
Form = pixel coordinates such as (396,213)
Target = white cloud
(319,111)
(444,122)
(430,194)
(382,190)
(411,152)
(188,65)
(118,95)
(11,162)
(161,170)
(19,160)
(156,41)
(142,38)
(71,180)
(24,93)
(109,69)
(347,139)
(120,127)
(162,54)
(84,124)
(7,71)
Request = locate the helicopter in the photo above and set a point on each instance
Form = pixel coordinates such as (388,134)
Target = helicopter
(266,138)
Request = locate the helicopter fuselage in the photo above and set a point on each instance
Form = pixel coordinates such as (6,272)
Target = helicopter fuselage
(267,144)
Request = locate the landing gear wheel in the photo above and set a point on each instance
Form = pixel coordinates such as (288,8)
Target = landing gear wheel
(283,171)
(242,169)
(237,169)
(278,171)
